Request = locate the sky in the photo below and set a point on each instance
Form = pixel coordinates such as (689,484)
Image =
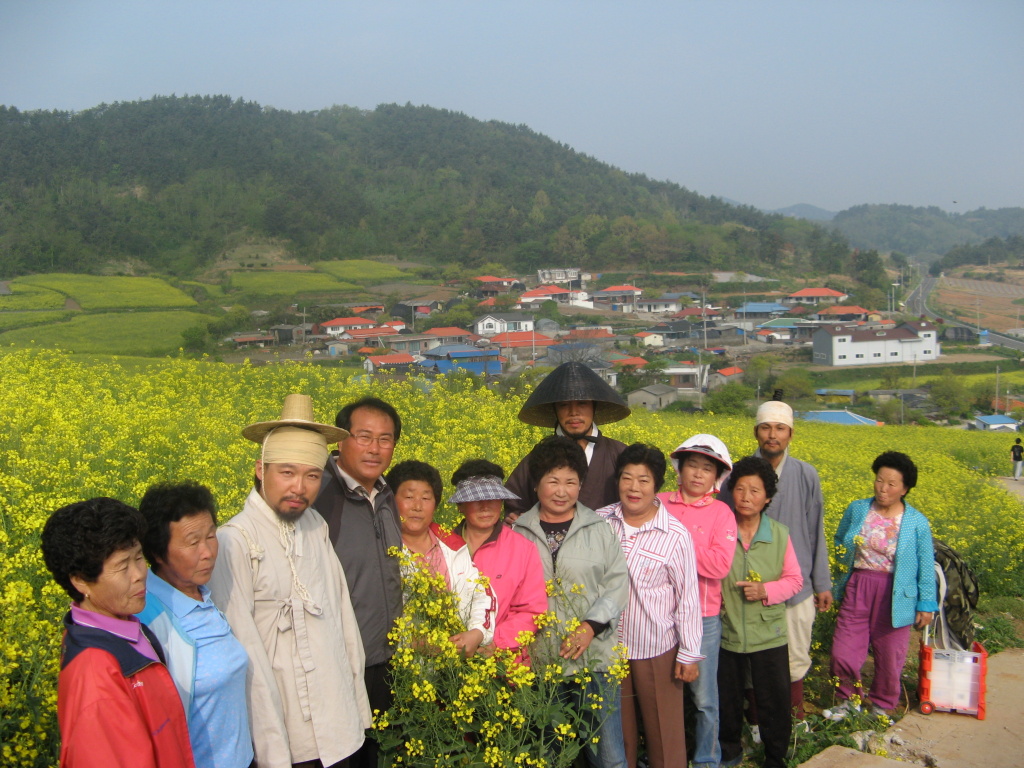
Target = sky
(769,103)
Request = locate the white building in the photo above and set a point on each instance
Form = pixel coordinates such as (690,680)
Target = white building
(861,345)
(504,322)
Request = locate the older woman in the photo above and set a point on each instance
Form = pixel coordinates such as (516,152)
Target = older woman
(764,574)
(417,489)
(702,463)
(116,701)
(206,661)
(887,582)
(580,550)
(661,626)
(510,562)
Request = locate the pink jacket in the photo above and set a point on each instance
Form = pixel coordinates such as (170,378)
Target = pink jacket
(713,529)
(512,565)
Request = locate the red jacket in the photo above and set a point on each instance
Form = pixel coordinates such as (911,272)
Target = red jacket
(115,707)
(513,567)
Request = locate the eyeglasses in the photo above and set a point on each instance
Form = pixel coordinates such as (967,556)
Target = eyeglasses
(364,439)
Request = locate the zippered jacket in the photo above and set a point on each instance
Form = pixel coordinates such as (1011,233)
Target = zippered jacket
(116,707)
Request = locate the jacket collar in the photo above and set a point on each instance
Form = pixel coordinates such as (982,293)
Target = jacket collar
(78,639)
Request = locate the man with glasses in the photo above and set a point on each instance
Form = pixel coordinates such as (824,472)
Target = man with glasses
(363,523)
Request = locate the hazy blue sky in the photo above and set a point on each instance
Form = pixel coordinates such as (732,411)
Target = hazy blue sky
(768,102)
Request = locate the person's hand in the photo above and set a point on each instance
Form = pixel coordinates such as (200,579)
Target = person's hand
(577,642)
(823,600)
(486,650)
(686,672)
(753,590)
(468,642)
(924,618)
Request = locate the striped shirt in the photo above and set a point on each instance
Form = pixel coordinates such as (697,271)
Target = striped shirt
(663,609)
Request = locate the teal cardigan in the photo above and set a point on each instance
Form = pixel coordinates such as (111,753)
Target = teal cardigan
(914,586)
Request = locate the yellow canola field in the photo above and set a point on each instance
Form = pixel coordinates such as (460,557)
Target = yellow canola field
(76,429)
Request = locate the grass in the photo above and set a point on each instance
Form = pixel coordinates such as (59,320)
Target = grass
(9,321)
(287,283)
(25,296)
(136,333)
(362,270)
(93,292)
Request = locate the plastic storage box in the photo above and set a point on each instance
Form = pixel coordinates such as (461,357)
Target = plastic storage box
(952,681)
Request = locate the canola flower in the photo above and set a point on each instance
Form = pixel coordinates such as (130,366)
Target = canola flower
(76,428)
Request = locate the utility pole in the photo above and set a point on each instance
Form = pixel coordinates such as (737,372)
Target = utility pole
(996,409)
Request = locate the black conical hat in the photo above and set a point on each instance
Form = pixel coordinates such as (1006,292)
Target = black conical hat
(573,381)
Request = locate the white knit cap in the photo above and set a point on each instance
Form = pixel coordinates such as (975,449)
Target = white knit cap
(775,412)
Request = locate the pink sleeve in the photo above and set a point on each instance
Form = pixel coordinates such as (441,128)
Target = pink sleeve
(529,599)
(789,582)
(715,559)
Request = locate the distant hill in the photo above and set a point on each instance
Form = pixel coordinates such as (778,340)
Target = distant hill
(171,184)
(924,233)
(806,211)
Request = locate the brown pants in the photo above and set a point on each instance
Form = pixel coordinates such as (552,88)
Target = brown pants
(653,698)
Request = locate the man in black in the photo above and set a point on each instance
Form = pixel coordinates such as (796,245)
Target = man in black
(1017,454)
(574,400)
(363,523)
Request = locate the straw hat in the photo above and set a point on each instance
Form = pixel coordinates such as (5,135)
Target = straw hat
(297,412)
(573,381)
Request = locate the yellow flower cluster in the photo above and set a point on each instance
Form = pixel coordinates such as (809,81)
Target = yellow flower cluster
(76,428)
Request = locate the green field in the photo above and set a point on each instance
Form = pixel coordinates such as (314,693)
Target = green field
(213,290)
(122,333)
(287,283)
(12,320)
(25,296)
(362,270)
(93,292)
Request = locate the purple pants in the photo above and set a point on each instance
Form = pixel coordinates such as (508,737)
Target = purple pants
(865,619)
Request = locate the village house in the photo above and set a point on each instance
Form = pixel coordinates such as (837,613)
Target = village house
(724,376)
(858,345)
(816,296)
(502,322)
(340,325)
(653,397)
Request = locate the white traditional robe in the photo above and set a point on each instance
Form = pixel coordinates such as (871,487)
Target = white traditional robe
(307,698)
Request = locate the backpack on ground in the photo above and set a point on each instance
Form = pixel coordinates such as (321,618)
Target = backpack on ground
(958,599)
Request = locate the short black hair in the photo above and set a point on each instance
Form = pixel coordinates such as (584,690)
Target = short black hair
(477,468)
(755,465)
(648,455)
(901,463)
(556,452)
(416,470)
(166,503)
(344,417)
(78,538)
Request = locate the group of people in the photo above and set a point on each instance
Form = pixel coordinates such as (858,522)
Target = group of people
(264,641)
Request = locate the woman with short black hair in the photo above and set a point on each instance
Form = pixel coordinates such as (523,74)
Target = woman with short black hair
(580,551)
(886,584)
(116,701)
(207,662)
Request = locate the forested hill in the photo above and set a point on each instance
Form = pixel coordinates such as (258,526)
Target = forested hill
(924,233)
(169,183)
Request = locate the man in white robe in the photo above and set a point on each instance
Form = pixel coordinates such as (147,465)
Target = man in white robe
(281,587)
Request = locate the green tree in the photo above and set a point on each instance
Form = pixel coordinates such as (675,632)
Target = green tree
(732,399)
(796,384)
(950,395)
(195,339)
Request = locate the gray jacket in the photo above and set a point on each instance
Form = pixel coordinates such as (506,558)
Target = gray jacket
(362,534)
(799,506)
(590,556)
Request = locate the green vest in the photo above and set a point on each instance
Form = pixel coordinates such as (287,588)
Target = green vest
(749,626)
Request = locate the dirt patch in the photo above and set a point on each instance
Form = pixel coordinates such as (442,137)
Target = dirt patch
(70,303)
(987,303)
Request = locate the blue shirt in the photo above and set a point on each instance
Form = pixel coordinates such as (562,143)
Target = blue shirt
(218,720)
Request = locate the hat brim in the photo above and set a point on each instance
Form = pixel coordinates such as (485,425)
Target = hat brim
(257,432)
(678,454)
(573,381)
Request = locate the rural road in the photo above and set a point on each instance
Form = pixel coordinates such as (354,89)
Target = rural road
(917,304)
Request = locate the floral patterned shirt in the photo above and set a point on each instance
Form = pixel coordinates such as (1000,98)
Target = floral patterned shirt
(876,543)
